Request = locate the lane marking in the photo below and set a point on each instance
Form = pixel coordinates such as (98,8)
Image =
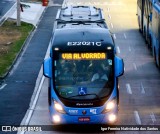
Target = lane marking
(153,117)
(34,102)
(125,36)
(65,2)
(95,3)
(114,3)
(109,16)
(90,3)
(3,86)
(108,9)
(142,89)
(137,118)
(129,90)
(130,49)
(114,36)
(135,67)
(118,50)
(111,25)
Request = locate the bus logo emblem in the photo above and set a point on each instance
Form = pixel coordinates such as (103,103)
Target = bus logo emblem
(93,111)
(84,112)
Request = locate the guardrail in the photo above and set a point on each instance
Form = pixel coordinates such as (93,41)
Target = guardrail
(9,13)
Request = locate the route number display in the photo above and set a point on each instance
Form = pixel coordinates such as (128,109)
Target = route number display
(83,56)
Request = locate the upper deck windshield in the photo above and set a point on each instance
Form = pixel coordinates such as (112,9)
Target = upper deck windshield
(83,76)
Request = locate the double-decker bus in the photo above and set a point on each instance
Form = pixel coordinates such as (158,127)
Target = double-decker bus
(83,69)
(155,32)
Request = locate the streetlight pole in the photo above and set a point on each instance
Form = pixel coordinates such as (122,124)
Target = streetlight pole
(18,13)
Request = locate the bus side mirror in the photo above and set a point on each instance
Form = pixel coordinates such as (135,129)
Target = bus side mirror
(47,68)
(119,66)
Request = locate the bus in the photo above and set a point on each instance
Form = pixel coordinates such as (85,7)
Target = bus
(144,12)
(155,33)
(83,69)
(148,12)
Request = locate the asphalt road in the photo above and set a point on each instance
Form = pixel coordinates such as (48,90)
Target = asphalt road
(18,87)
(5,5)
(139,86)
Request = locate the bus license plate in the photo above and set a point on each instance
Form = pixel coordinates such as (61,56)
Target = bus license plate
(84,119)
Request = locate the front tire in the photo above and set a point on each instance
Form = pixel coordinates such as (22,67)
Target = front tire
(155,59)
(140,30)
(150,42)
(159,61)
(145,34)
(49,96)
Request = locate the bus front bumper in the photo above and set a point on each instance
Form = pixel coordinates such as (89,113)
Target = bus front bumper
(62,119)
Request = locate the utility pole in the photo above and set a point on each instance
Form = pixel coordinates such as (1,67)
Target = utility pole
(18,13)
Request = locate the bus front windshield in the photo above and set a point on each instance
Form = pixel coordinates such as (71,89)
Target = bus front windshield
(83,76)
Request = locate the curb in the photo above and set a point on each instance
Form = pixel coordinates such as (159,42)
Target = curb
(27,40)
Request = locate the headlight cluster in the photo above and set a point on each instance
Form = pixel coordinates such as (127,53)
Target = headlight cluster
(110,106)
(58,107)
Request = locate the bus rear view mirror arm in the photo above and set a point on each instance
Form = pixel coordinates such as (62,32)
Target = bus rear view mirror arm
(119,66)
(47,71)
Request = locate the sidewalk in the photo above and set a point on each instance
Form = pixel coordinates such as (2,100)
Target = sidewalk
(31,14)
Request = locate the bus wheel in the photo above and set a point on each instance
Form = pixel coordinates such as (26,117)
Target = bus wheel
(145,35)
(49,96)
(144,32)
(140,30)
(159,61)
(149,42)
(155,59)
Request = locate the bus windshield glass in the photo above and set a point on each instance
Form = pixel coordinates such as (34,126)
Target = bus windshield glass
(83,76)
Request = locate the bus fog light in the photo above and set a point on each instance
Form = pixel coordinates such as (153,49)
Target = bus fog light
(112,117)
(56,118)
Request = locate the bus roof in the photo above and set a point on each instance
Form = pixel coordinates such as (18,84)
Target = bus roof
(80,13)
(88,39)
(73,16)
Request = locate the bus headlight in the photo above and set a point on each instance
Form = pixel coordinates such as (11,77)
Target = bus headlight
(110,106)
(58,107)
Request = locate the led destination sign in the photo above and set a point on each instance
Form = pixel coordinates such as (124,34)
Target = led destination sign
(83,56)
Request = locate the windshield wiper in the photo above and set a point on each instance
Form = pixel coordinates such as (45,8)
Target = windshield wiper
(85,95)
